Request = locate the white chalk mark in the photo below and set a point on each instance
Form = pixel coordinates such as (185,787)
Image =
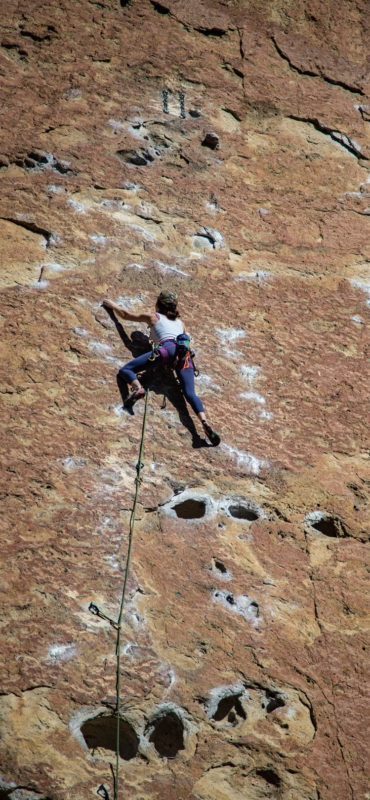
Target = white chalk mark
(80,208)
(253,397)
(364,286)
(229,336)
(169,268)
(245,461)
(71,463)
(61,652)
(257,276)
(239,604)
(250,373)
(358,320)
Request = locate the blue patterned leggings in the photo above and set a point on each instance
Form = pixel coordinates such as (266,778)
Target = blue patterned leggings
(186,375)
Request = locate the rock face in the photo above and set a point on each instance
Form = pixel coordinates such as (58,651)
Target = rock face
(220,148)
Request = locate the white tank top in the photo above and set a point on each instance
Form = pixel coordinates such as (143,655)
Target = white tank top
(165,328)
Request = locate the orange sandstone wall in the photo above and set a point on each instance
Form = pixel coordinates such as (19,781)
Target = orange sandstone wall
(222,149)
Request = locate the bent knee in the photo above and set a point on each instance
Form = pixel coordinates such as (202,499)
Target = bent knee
(124,373)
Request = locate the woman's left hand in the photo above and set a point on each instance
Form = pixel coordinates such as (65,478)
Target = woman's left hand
(108,304)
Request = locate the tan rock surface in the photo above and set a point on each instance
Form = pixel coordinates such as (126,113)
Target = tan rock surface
(244,657)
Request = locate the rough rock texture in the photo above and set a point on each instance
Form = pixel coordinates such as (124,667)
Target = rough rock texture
(220,148)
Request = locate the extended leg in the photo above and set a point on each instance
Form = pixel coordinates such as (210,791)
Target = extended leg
(186,378)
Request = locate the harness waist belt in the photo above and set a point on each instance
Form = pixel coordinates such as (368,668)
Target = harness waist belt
(167,353)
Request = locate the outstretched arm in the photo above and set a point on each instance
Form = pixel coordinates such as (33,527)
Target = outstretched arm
(144,316)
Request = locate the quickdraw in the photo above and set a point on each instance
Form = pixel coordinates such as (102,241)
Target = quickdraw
(155,352)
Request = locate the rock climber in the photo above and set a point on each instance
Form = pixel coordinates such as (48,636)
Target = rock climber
(165,326)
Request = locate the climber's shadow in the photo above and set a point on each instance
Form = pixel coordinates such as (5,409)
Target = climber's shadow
(158,379)
(138,343)
(162,381)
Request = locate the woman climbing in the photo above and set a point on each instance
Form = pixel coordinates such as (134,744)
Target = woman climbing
(165,326)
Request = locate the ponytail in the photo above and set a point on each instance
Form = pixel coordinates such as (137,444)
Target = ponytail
(168,309)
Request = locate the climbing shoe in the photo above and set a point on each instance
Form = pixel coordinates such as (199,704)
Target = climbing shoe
(130,401)
(213,437)
(137,394)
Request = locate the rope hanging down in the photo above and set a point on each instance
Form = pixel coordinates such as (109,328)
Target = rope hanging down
(138,480)
(118,625)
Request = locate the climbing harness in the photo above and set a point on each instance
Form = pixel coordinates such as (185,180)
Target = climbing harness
(94,609)
(183,357)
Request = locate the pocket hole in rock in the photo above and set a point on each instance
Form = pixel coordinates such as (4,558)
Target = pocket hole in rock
(190,509)
(139,158)
(270,776)
(230,708)
(240,511)
(273,701)
(241,604)
(167,734)
(254,609)
(159,8)
(100,734)
(218,566)
(211,140)
(327,524)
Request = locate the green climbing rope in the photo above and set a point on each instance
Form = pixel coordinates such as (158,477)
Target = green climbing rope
(138,480)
